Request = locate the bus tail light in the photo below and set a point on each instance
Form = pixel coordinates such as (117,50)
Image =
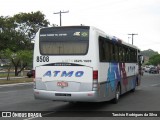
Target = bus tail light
(95,80)
(95,74)
(34,74)
(34,82)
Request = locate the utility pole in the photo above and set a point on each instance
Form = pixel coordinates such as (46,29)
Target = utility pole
(60,13)
(132,36)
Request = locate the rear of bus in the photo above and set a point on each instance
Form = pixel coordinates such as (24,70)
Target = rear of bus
(65,64)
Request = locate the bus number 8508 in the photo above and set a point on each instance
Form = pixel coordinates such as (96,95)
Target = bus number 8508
(42,58)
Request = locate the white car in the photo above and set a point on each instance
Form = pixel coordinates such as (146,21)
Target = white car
(147,68)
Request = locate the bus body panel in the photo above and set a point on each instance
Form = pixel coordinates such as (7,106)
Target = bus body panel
(75,70)
(111,74)
(89,96)
(64,78)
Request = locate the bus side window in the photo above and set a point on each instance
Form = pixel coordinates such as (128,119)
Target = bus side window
(120,54)
(101,49)
(131,55)
(135,56)
(124,57)
(125,54)
(116,53)
(111,52)
(107,54)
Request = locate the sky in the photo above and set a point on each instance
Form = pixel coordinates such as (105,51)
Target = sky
(115,17)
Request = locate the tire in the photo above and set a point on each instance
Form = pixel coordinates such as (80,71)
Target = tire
(117,94)
(29,76)
(133,90)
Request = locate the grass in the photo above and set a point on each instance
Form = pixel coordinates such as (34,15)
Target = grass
(4,74)
(20,80)
(11,74)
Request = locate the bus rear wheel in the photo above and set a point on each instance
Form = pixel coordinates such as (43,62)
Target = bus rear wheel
(117,94)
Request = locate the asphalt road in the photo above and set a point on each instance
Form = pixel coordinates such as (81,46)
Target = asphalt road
(145,98)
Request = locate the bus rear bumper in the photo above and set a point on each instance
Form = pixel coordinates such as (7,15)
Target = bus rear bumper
(89,96)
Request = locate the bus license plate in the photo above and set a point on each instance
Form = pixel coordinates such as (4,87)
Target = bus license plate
(62,84)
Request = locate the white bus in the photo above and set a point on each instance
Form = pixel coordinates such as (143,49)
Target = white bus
(83,64)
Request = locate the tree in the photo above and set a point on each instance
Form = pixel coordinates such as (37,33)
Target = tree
(7,54)
(21,59)
(10,37)
(18,59)
(17,33)
(19,30)
(29,23)
(149,53)
(155,60)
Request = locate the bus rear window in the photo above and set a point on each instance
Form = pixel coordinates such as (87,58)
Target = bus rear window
(64,41)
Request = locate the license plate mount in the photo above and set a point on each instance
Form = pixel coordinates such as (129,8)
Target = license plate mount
(62,84)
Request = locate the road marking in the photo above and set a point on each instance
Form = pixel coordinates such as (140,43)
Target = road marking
(155,84)
(30,118)
(10,85)
(8,91)
(48,113)
(38,117)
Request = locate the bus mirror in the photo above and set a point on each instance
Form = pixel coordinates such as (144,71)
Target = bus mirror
(141,59)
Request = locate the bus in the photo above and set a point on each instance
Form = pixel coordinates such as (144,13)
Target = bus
(83,64)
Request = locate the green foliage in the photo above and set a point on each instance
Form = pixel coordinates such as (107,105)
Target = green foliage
(10,37)
(23,55)
(19,59)
(19,30)
(29,23)
(148,53)
(14,41)
(154,60)
(16,35)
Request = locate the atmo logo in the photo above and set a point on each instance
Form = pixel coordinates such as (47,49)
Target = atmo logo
(63,73)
